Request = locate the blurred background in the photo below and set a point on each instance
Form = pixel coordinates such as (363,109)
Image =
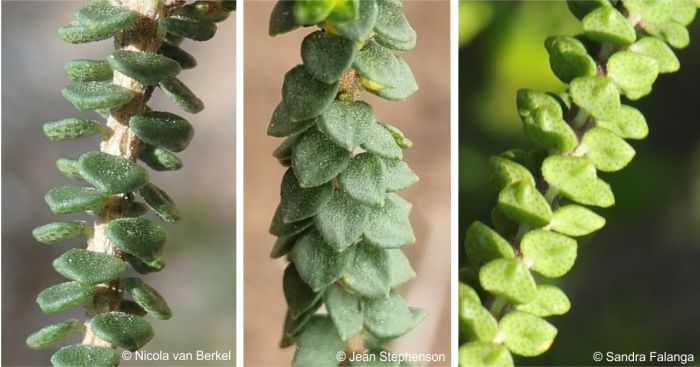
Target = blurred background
(199,279)
(425,118)
(634,287)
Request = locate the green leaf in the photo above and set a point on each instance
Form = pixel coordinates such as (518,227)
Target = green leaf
(174,52)
(523,203)
(530,160)
(283,245)
(112,174)
(319,342)
(467,294)
(73,128)
(634,73)
(476,321)
(344,10)
(400,270)
(482,244)
(307,12)
(359,29)
(105,16)
(136,209)
(684,11)
(174,39)
(607,24)
(345,310)
(398,175)
(52,233)
(326,56)
(347,124)
(569,59)
(384,74)
(194,29)
(72,199)
(629,123)
(54,333)
(143,267)
(551,254)
(399,137)
(601,195)
(96,95)
(300,203)
(145,67)
(305,97)
(483,354)
(596,94)
(607,151)
(549,301)
(580,8)
(148,298)
(137,236)
(504,172)
(163,129)
(527,335)
(675,34)
(317,160)
(204,10)
(69,167)
(160,202)
(382,67)
(543,121)
(88,70)
(574,176)
(181,95)
(97,22)
(63,296)
(300,297)
(658,50)
(653,11)
(122,329)
(388,317)
(89,267)
(131,307)
(159,159)
(341,221)
(380,142)
(392,28)
(281,124)
(80,355)
(389,226)
(79,33)
(509,278)
(367,274)
(317,263)
(282,18)
(364,178)
(279,227)
(502,223)
(292,327)
(576,220)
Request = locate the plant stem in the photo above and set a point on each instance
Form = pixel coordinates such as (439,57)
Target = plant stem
(145,36)
(348,86)
(579,120)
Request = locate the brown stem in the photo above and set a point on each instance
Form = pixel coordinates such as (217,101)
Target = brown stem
(348,86)
(145,36)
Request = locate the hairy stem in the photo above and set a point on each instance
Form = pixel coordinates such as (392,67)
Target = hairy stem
(349,87)
(145,36)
